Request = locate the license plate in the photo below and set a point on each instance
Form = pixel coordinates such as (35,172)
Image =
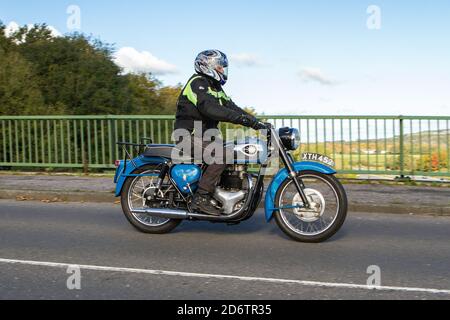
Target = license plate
(319,158)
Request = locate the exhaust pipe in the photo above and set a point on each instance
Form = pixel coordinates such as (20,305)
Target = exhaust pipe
(179,214)
(164,213)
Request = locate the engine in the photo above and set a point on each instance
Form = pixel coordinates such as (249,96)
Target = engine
(233,177)
(234,186)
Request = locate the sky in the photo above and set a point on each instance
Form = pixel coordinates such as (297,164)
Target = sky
(320,57)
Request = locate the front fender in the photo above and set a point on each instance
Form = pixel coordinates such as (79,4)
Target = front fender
(283,175)
(122,175)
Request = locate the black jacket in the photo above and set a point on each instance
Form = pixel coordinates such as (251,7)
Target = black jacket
(203,99)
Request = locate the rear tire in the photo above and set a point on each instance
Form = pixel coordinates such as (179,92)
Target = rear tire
(163,228)
(335,225)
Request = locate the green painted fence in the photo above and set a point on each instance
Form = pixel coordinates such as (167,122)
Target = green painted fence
(359,144)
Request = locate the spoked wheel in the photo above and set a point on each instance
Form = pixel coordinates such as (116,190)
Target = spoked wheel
(325,217)
(135,196)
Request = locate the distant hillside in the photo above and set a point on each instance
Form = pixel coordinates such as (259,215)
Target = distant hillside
(415,141)
(435,137)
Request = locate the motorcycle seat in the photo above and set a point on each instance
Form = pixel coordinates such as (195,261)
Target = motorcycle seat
(165,151)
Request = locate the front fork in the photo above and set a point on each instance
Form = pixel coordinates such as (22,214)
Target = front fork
(299,185)
(288,161)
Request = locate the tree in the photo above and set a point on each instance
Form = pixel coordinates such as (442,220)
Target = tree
(42,74)
(168,97)
(19,92)
(77,73)
(144,95)
(5,42)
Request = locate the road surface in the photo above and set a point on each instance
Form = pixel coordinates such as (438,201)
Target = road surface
(253,260)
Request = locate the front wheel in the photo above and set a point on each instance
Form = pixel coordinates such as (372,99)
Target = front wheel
(328,210)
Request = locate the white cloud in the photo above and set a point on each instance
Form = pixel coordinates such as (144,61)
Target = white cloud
(54,31)
(245,60)
(316,75)
(13,27)
(133,61)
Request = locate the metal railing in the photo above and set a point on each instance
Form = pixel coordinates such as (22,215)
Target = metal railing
(359,144)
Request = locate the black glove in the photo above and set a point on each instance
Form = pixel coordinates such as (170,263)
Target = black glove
(251,122)
(248,120)
(260,126)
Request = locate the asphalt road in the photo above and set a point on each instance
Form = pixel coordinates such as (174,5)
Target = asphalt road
(411,252)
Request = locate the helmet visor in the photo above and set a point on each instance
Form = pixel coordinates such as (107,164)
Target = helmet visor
(225,73)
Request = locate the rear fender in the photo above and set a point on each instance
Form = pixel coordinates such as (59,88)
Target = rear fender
(283,175)
(123,172)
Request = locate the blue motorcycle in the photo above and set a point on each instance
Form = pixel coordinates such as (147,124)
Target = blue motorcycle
(307,201)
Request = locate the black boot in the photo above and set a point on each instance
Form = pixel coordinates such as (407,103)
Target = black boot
(202,203)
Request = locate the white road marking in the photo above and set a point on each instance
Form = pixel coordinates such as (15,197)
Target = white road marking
(229,277)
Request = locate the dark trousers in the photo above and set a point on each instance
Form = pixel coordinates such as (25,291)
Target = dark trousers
(215,168)
(211,178)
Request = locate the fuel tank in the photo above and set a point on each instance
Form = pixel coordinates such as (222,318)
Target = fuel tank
(248,151)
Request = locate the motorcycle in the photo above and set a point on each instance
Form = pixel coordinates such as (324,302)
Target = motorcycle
(307,201)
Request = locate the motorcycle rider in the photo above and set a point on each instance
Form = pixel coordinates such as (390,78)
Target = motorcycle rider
(203,100)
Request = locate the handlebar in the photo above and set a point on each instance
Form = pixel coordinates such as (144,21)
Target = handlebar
(268,125)
(263,126)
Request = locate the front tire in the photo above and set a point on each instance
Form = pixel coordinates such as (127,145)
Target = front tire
(327,216)
(132,188)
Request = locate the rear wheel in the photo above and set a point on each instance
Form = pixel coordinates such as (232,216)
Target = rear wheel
(134,196)
(325,217)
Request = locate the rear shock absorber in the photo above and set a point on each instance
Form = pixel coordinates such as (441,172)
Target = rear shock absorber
(162,175)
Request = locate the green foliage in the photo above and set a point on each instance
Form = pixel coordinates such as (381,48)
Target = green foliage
(74,75)
(149,97)
(19,92)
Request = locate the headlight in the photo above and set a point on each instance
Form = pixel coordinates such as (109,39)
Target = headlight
(290,138)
